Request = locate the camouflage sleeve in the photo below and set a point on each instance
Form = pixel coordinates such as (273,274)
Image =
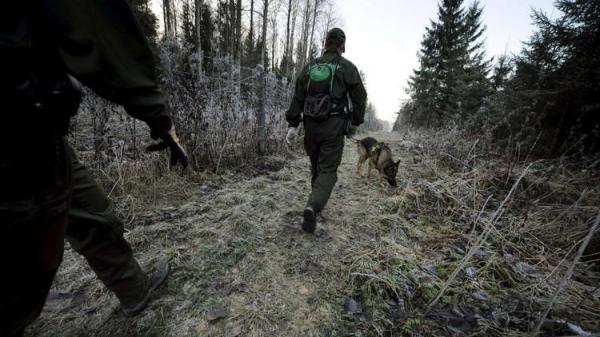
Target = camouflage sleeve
(294,113)
(103,46)
(358,96)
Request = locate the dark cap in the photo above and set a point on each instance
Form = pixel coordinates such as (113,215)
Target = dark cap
(336,34)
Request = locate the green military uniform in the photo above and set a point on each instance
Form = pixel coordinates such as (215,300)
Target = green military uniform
(324,140)
(94,231)
(42,185)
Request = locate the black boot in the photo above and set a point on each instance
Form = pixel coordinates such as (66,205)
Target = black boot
(155,279)
(310,220)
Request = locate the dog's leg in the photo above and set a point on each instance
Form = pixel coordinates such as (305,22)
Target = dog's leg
(370,168)
(359,167)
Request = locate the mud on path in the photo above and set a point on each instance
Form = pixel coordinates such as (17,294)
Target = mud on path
(241,265)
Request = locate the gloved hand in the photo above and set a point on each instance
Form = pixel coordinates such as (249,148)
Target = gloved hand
(351,131)
(292,134)
(169,140)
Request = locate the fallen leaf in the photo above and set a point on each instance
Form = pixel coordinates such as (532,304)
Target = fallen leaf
(470,272)
(523,268)
(234,330)
(431,270)
(352,307)
(578,330)
(216,314)
(480,295)
(201,327)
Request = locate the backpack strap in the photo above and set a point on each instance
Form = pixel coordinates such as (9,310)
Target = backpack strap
(336,65)
(310,65)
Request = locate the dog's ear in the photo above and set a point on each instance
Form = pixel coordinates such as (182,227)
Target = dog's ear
(398,163)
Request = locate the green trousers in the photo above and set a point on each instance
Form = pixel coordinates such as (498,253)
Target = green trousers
(324,145)
(32,243)
(94,231)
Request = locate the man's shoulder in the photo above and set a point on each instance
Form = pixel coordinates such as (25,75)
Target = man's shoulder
(347,64)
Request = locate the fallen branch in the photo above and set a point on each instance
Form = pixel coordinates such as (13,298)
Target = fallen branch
(568,274)
(482,238)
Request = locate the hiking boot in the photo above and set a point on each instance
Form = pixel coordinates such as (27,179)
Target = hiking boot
(310,220)
(155,279)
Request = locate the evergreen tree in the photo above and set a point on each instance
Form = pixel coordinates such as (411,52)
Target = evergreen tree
(146,18)
(189,36)
(251,56)
(225,27)
(425,85)
(556,86)
(476,85)
(452,80)
(188,27)
(501,72)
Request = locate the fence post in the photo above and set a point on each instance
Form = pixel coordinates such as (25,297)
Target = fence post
(261,116)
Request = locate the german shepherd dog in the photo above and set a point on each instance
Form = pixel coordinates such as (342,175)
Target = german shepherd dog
(380,157)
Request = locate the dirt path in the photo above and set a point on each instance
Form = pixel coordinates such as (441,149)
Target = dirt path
(238,252)
(243,267)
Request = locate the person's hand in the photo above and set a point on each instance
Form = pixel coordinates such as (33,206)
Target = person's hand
(351,132)
(170,140)
(292,134)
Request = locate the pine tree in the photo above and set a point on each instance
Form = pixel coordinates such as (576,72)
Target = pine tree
(501,72)
(476,85)
(189,22)
(146,18)
(425,85)
(449,63)
(452,81)
(188,27)
(557,80)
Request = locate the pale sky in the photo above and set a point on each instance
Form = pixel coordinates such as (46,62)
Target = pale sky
(383,37)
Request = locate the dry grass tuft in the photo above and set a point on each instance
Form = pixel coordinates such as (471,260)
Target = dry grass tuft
(242,266)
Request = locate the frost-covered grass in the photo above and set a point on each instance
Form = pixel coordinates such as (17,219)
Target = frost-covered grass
(243,267)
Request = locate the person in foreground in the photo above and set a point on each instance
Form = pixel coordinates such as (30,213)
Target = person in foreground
(46,47)
(324,90)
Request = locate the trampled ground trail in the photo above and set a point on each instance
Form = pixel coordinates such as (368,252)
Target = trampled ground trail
(237,252)
(243,267)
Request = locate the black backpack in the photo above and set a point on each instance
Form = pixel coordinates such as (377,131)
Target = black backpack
(318,103)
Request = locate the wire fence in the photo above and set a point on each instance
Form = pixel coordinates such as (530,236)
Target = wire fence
(217,110)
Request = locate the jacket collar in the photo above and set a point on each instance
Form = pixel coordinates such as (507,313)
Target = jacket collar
(331,51)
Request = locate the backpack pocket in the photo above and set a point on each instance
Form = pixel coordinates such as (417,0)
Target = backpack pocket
(317,107)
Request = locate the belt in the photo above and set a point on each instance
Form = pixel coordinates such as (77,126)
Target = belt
(339,114)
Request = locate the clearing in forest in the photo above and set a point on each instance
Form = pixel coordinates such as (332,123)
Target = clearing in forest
(241,266)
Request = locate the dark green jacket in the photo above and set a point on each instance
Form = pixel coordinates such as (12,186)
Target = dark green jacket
(96,41)
(347,84)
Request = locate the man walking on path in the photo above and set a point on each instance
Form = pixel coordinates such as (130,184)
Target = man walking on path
(95,231)
(45,193)
(321,97)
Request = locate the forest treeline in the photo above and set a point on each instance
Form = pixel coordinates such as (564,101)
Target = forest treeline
(227,110)
(545,99)
(283,35)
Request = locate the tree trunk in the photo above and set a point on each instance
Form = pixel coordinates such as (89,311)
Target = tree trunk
(263,61)
(238,31)
(273,42)
(287,40)
(251,21)
(198,22)
(312,30)
(174,19)
(167,17)
(301,61)
(292,44)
